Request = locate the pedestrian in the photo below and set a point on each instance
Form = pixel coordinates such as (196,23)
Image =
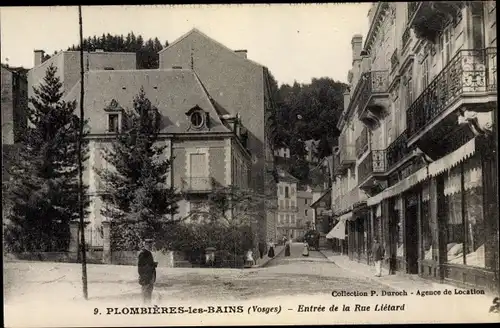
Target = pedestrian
(147,270)
(305,252)
(287,247)
(249,258)
(262,249)
(270,245)
(283,240)
(377,256)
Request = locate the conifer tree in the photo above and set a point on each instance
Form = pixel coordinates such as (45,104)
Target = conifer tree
(43,191)
(136,197)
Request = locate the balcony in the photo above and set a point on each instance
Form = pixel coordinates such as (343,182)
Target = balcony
(346,153)
(197,184)
(428,18)
(405,39)
(469,79)
(373,98)
(362,143)
(398,151)
(372,171)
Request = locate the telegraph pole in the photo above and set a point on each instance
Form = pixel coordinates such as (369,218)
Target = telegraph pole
(81,195)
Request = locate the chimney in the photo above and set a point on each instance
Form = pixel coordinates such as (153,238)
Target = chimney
(38,56)
(357,46)
(365,63)
(241,53)
(347,99)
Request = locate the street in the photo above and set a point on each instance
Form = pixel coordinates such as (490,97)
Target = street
(42,289)
(282,276)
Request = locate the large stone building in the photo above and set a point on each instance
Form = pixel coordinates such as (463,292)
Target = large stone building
(415,166)
(214,104)
(288,212)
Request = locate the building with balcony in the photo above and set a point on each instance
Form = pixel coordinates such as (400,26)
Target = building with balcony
(214,103)
(421,113)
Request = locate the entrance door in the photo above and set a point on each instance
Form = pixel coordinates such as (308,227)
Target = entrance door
(411,235)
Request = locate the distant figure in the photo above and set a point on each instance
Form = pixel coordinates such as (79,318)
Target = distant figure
(147,270)
(305,252)
(283,240)
(378,256)
(270,253)
(262,249)
(249,258)
(287,247)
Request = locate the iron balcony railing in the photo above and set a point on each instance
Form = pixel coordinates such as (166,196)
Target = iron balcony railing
(197,184)
(372,83)
(374,162)
(362,143)
(398,150)
(469,72)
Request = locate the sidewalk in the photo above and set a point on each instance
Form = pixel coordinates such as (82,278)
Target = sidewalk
(409,283)
(261,262)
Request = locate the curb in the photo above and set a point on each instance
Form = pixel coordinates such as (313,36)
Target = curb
(363,275)
(268,259)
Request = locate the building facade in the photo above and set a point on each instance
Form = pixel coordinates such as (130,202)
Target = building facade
(288,213)
(415,166)
(237,85)
(305,212)
(210,141)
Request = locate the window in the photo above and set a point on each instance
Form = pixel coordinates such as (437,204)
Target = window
(281,204)
(196,119)
(445,43)
(282,220)
(293,191)
(305,201)
(293,219)
(287,219)
(281,190)
(292,204)
(425,73)
(109,69)
(465,226)
(113,123)
(305,212)
(409,92)
(477,27)
(287,204)
(286,192)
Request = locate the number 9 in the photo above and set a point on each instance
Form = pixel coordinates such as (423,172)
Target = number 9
(96,311)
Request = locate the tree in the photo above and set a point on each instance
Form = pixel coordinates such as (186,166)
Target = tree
(138,201)
(43,191)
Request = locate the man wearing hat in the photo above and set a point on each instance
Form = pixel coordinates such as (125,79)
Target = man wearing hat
(147,270)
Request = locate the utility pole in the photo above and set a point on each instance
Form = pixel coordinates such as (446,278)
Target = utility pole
(81,195)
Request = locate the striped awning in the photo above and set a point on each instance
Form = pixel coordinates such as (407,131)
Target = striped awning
(451,160)
(399,187)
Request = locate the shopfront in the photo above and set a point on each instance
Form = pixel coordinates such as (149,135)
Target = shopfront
(466,256)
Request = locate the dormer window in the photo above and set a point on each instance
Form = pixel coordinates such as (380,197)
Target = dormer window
(113,126)
(198,118)
(114,112)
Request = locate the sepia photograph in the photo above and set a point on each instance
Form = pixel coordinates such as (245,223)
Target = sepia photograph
(276,164)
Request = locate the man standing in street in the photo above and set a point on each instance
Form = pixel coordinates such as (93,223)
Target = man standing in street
(377,256)
(147,270)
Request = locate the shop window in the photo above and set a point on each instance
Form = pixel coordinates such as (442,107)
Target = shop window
(465,222)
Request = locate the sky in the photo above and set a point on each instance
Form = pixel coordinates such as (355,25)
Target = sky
(296,42)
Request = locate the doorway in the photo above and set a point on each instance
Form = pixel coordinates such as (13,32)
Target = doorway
(411,234)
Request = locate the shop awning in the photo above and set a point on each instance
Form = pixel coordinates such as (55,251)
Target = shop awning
(449,161)
(399,187)
(338,231)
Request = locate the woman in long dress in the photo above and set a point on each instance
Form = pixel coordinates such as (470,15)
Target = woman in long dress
(287,247)
(305,252)
(270,253)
